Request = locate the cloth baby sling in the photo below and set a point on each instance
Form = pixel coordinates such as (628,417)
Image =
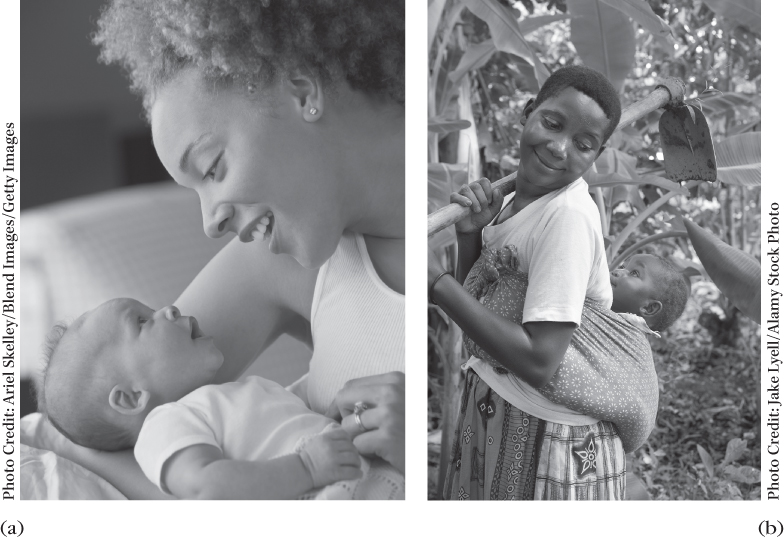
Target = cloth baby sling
(607,371)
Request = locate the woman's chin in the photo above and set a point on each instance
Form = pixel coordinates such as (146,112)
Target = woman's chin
(311,254)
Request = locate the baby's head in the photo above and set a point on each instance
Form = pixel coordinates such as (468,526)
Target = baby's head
(105,372)
(565,128)
(651,287)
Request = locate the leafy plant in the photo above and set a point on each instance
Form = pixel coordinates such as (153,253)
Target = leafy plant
(720,481)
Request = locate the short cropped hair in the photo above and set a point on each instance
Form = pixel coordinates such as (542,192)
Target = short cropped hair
(73,403)
(591,83)
(673,289)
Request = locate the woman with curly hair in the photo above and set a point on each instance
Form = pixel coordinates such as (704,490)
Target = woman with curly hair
(287,119)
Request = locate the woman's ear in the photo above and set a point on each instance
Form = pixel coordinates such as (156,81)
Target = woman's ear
(651,308)
(128,401)
(307,93)
(527,110)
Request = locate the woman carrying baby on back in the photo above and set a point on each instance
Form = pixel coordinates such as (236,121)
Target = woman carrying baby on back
(558,387)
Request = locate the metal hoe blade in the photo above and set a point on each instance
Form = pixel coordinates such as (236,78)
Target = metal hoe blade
(687,145)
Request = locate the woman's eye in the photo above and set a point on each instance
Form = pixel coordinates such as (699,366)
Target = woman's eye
(582,146)
(213,168)
(548,123)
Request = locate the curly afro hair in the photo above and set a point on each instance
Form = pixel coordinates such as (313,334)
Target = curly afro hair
(591,83)
(257,41)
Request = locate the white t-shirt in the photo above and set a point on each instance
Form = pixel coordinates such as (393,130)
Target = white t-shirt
(560,245)
(253,419)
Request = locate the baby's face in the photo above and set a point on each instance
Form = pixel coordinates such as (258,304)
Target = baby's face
(161,351)
(635,283)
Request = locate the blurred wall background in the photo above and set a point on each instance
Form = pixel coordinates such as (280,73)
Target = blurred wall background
(84,132)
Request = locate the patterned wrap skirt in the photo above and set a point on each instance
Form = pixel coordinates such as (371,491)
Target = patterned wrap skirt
(503,453)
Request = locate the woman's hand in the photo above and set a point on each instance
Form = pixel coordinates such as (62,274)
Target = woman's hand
(484,201)
(384,420)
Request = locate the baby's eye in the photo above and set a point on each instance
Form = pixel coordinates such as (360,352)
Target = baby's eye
(143,320)
(634,273)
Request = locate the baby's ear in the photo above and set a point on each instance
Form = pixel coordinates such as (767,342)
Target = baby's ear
(128,401)
(652,307)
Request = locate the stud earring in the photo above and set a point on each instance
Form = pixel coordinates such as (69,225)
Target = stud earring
(313,111)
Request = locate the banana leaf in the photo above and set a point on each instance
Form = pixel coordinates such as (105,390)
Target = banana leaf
(603,37)
(736,273)
(738,159)
(745,12)
(642,14)
(443,125)
(506,33)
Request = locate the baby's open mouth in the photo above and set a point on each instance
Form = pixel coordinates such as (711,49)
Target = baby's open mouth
(263,229)
(195,330)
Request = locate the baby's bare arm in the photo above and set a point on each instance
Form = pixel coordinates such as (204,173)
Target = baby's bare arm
(202,472)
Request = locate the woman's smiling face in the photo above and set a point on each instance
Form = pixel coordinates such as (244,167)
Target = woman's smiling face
(252,163)
(561,139)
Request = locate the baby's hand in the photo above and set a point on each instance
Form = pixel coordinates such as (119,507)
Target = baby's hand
(330,457)
(484,201)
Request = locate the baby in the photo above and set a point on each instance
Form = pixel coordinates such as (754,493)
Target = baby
(124,376)
(607,372)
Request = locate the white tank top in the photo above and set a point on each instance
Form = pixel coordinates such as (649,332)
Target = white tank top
(357,323)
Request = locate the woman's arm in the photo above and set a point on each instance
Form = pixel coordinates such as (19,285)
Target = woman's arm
(118,468)
(533,352)
(469,247)
(245,298)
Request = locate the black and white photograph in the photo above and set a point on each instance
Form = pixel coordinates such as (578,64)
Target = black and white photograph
(214,286)
(259,252)
(594,173)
